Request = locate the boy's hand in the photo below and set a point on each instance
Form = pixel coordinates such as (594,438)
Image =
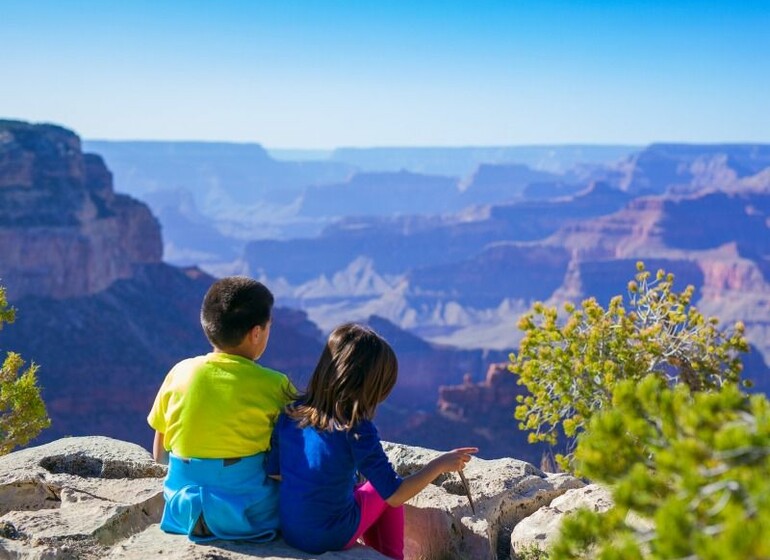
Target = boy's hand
(159,452)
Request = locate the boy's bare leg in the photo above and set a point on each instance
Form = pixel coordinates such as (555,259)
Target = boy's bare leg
(201,529)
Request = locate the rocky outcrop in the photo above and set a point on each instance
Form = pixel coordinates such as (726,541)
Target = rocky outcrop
(529,272)
(440,522)
(717,241)
(96,497)
(479,414)
(64,232)
(472,400)
(76,498)
(382,194)
(728,272)
(471,413)
(691,167)
(491,184)
(424,367)
(540,529)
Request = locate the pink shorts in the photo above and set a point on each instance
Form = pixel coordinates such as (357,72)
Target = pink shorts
(381,526)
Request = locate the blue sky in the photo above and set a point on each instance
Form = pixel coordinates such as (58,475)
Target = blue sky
(329,73)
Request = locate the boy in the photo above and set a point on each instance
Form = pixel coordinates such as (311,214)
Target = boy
(213,417)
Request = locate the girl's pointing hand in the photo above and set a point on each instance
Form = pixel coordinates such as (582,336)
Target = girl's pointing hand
(456,459)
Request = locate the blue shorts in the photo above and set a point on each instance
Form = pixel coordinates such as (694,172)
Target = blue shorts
(236,498)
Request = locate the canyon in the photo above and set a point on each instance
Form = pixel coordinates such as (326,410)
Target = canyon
(108,286)
(105,318)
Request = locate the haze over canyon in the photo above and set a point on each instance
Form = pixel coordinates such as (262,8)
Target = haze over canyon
(106,255)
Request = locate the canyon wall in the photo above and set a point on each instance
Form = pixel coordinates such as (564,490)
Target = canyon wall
(64,232)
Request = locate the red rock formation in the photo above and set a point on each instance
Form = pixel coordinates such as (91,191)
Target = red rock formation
(690,168)
(726,271)
(63,230)
(478,414)
(481,400)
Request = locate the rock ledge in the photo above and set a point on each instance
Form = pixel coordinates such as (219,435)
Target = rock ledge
(96,497)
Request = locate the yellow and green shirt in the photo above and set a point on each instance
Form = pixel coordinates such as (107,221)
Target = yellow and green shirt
(219,406)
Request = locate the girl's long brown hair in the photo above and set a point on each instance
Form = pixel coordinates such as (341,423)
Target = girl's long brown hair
(357,370)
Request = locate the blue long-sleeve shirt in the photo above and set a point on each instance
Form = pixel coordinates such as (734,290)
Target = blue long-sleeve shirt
(318,471)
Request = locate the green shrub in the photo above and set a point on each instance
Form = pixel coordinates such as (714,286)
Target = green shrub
(691,468)
(531,552)
(650,398)
(22,411)
(571,367)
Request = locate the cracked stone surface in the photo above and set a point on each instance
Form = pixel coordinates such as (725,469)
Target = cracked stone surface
(542,527)
(75,497)
(154,543)
(95,497)
(439,520)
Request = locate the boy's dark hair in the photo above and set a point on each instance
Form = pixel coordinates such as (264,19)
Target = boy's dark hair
(356,372)
(232,307)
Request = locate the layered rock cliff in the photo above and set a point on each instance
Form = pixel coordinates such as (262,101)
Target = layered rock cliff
(64,232)
(478,413)
(98,311)
(692,167)
(717,241)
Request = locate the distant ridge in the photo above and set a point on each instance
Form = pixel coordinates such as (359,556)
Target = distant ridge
(690,168)
(245,171)
(461,161)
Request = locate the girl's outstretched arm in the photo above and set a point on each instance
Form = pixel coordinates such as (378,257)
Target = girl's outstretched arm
(448,462)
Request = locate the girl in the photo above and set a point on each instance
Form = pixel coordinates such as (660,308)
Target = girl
(327,436)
